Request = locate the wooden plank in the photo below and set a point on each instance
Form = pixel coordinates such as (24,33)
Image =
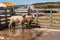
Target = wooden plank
(4,20)
(4,16)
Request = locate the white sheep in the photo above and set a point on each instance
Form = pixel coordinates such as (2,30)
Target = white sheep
(21,19)
(16,19)
(29,19)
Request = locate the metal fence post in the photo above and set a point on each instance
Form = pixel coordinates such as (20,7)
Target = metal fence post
(37,18)
(6,15)
(13,11)
(50,18)
(0,20)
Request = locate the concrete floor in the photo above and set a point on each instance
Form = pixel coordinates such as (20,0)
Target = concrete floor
(28,34)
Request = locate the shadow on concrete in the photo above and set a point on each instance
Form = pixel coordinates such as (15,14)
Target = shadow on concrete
(4,26)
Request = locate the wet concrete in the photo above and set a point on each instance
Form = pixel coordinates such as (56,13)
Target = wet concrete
(16,33)
(11,34)
(28,34)
(19,34)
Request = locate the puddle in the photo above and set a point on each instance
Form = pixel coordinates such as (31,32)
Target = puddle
(1,37)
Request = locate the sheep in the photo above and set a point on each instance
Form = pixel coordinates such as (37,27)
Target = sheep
(29,19)
(21,19)
(16,19)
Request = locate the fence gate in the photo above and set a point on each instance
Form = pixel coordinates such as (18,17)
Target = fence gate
(5,13)
(49,20)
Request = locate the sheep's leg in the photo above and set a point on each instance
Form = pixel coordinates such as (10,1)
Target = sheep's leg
(21,21)
(28,24)
(10,25)
(22,25)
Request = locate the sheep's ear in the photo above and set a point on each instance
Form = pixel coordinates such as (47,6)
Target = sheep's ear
(23,16)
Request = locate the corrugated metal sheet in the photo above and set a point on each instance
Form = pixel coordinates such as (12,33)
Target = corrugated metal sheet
(8,4)
(2,5)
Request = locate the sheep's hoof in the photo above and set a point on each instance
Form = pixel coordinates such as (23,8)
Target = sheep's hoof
(9,27)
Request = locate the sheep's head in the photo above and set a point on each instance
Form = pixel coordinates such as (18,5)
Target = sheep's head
(29,18)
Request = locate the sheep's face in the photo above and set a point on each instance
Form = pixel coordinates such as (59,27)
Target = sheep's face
(28,18)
